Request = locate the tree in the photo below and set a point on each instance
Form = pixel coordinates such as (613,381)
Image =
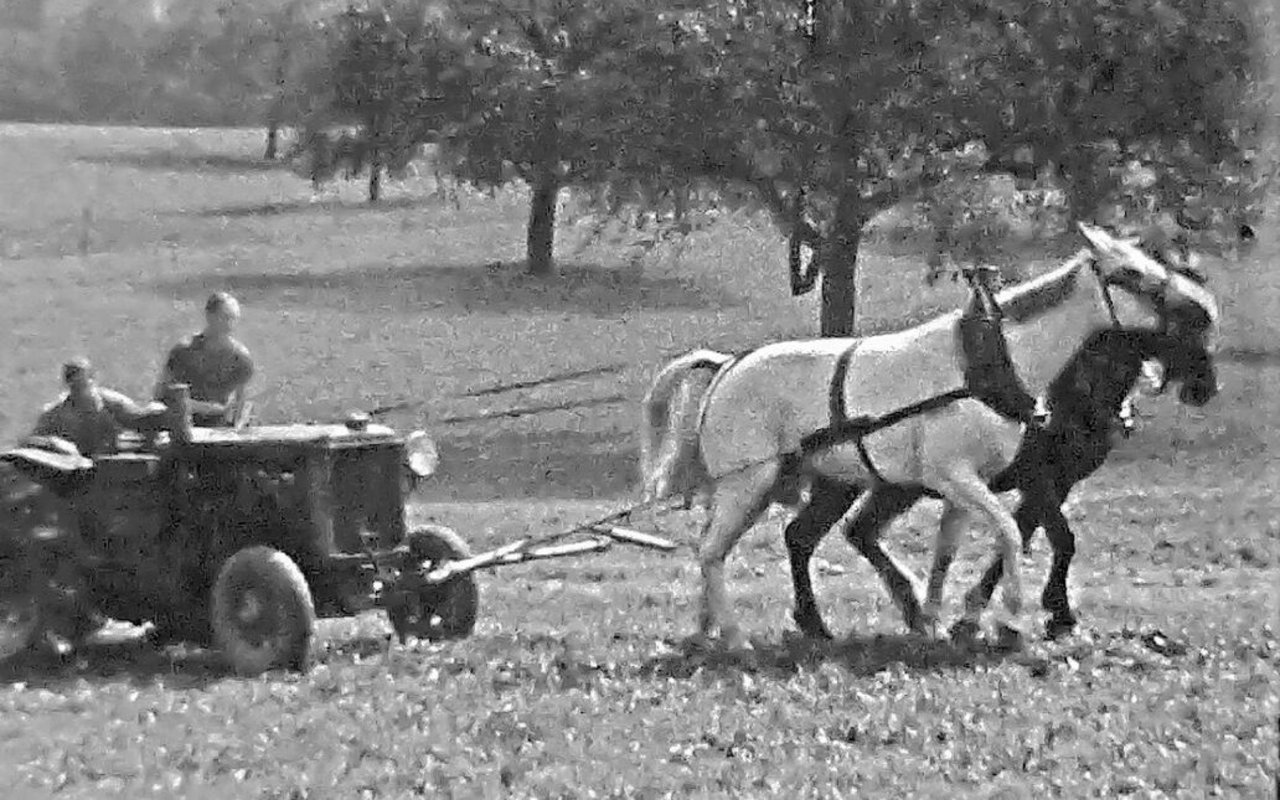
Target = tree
(834,111)
(547,98)
(292,34)
(502,89)
(393,73)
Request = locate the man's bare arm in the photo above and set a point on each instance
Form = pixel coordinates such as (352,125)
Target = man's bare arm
(129,414)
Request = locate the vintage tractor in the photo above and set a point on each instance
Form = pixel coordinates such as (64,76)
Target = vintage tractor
(233,537)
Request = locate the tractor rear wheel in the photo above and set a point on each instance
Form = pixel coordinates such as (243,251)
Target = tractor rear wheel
(20,623)
(262,612)
(434,612)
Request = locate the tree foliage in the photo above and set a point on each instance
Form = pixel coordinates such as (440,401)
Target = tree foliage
(502,88)
(832,112)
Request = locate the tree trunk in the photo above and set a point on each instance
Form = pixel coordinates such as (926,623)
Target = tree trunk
(273,141)
(840,269)
(542,225)
(546,183)
(1086,188)
(375,176)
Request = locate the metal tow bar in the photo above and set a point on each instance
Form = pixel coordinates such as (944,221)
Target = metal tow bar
(528,549)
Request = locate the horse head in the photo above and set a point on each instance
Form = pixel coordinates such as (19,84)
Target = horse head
(1176,305)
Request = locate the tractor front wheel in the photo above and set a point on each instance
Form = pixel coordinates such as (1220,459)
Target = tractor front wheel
(262,613)
(438,611)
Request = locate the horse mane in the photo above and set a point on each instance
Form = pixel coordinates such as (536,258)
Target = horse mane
(1033,297)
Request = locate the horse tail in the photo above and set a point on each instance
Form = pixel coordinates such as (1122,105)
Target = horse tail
(669,426)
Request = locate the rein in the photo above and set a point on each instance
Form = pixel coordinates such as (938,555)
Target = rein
(1106,293)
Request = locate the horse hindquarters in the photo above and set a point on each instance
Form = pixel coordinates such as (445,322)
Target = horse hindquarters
(753,421)
(669,459)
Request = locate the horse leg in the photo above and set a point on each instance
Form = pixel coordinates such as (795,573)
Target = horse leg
(1028,516)
(880,506)
(1062,619)
(738,502)
(966,489)
(953,524)
(828,500)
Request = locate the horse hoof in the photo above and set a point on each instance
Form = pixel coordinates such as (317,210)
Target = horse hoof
(930,630)
(812,628)
(735,642)
(1009,638)
(1056,628)
(964,633)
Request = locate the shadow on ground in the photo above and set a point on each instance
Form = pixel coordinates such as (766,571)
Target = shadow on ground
(494,288)
(143,664)
(308,206)
(1251,356)
(504,466)
(169,161)
(861,655)
(139,662)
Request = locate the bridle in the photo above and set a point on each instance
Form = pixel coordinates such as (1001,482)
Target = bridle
(1127,414)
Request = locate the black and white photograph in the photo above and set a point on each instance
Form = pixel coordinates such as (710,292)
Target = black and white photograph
(639,399)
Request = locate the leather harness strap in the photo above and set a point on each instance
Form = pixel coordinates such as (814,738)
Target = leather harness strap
(840,412)
(844,429)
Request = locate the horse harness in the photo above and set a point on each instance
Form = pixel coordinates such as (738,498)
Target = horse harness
(990,377)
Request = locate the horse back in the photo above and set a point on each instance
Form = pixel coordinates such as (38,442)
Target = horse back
(891,371)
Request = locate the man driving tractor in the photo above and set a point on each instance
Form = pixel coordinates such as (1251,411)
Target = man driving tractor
(214,364)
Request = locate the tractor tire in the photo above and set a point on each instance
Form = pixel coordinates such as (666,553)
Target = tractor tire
(20,623)
(435,612)
(262,613)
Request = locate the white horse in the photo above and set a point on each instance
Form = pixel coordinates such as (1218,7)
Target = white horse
(794,410)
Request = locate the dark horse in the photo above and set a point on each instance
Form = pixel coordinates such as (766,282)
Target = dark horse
(1084,401)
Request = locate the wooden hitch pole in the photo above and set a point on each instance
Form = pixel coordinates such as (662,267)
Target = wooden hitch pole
(632,536)
(513,554)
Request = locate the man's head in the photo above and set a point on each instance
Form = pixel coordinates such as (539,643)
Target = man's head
(221,312)
(77,374)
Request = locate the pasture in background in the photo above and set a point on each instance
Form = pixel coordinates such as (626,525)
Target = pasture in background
(121,233)
(112,239)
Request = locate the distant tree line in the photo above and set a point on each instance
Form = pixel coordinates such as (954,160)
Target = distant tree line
(174,62)
(821,113)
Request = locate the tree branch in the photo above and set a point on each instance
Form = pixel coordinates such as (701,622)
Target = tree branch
(780,208)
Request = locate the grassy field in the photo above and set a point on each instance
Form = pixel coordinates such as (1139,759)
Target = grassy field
(573,684)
